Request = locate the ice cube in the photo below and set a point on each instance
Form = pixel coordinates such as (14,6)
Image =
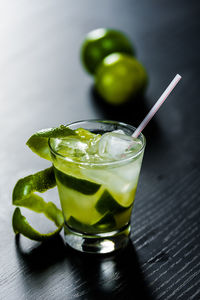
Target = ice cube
(71,146)
(118,131)
(108,178)
(114,145)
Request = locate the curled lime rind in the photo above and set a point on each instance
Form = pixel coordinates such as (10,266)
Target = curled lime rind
(24,190)
(24,196)
(21,225)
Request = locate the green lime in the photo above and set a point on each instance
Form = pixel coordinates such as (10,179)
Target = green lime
(107,204)
(24,195)
(38,182)
(80,185)
(106,222)
(101,42)
(120,77)
(38,142)
(21,225)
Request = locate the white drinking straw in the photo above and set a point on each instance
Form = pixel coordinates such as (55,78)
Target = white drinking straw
(157,105)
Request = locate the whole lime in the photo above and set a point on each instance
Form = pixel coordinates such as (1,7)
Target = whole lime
(101,42)
(120,77)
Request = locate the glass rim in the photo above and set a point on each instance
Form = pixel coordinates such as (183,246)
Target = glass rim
(102,163)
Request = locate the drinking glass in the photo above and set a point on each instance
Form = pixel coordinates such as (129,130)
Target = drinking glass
(97,197)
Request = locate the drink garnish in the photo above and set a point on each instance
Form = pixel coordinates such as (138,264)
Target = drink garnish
(24,196)
(24,190)
(38,142)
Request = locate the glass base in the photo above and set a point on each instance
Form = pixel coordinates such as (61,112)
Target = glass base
(97,243)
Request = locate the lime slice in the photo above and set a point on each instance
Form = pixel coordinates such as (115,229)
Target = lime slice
(38,142)
(80,185)
(106,223)
(123,217)
(107,203)
(23,195)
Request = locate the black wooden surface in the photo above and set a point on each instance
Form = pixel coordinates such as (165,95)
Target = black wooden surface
(42,84)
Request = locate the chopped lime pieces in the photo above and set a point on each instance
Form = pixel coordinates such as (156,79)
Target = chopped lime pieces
(106,223)
(23,195)
(107,203)
(38,142)
(80,185)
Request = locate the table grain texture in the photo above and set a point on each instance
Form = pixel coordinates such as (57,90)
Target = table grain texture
(42,84)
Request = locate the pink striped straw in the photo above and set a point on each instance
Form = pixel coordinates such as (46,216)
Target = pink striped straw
(157,105)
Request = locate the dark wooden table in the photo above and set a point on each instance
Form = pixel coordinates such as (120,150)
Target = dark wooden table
(42,84)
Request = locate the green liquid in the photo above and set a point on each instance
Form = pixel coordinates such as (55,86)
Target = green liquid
(94,198)
(97,210)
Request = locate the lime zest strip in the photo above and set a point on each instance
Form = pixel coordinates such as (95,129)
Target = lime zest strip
(24,196)
(21,225)
(38,142)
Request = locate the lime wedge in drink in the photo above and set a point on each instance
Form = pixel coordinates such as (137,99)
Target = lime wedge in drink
(106,223)
(107,203)
(80,185)
(123,217)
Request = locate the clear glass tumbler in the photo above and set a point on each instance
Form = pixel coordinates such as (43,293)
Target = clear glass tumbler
(97,197)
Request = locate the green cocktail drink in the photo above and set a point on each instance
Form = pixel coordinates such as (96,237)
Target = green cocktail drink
(96,165)
(97,174)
